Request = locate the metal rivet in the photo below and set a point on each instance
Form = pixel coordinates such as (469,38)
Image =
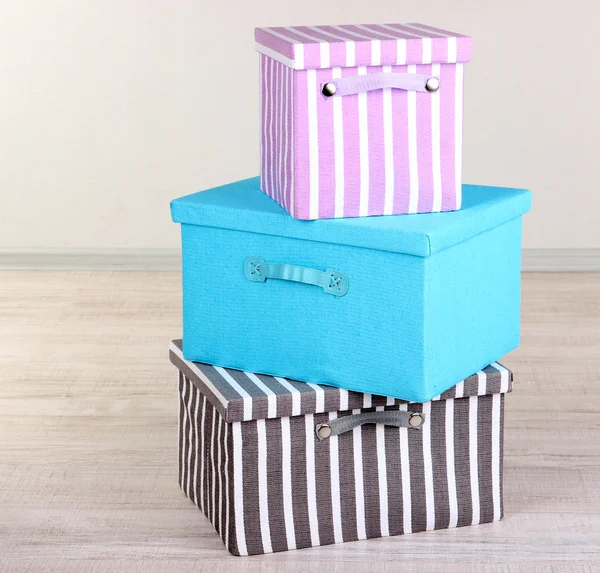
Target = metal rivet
(329,89)
(323,431)
(432,85)
(415,420)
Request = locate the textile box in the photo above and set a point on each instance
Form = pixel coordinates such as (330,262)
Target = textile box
(277,464)
(397,306)
(361,120)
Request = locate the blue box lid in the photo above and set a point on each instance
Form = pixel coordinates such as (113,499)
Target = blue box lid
(242,206)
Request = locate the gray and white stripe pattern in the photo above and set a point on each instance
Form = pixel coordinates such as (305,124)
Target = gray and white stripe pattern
(269,485)
(205,462)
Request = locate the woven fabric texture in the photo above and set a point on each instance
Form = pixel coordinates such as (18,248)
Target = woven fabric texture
(313,47)
(240,396)
(381,152)
(270,485)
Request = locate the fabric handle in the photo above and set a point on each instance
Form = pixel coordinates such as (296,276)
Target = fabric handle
(398,418)
(367,82)
(332,282)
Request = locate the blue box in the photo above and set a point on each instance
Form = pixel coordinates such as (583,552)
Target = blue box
(403,306)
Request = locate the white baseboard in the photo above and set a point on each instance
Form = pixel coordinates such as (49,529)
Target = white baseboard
(561,260)
(534,260)
(91,259)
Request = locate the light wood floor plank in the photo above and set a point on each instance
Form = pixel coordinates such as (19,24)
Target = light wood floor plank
(88,468)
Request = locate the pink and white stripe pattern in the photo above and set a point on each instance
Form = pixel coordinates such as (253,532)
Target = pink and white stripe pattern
(380,152)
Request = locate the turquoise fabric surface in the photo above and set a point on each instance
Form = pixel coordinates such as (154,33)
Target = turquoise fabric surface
(243,206)
(431,298)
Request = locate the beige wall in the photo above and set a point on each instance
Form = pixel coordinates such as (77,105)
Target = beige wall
(110,108)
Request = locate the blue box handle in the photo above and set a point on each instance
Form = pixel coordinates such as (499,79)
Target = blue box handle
(332,282)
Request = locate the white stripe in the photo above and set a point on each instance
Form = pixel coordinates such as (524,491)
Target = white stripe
(382,478)
(324,53)
(405,466)
(292,154)
(458,127)
(496,433)
(269,149)
(390,401)
(436,143)
(438,397)
(473,463)
(189,464)
(452,50)
(413,167)
(213,502)
(263,154)
(313,143)
(311,487)
(319,398)
(375,52)
(359,491)
(460,389)
(200,375)
(379,408)
(286,137)
(363,142)
(226,478)
(388,148)
(504,377)
(263,493)
(202,450)
(298,56)
(286,476)
(350,54)
(323,46)
(336,504)
(338,143)
(367,400)
(271,396)
(401,51)
(295,395)
(404,32)
(452,496)
(426,55)
(198,448)
(428,466)
(247,399)
(343,400)
(481,383)
(219,474)
(272,89)
(274,55)
(238,488)
(182,422)
(279,131)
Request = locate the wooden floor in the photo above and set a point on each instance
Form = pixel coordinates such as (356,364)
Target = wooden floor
(88,470)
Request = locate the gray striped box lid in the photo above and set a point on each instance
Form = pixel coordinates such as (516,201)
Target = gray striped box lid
(242,396)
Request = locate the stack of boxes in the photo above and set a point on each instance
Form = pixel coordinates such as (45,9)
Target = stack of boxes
(338,376)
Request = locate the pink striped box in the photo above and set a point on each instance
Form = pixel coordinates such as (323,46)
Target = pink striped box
(334,144)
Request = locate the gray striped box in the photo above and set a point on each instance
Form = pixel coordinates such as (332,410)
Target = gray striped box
(251,460)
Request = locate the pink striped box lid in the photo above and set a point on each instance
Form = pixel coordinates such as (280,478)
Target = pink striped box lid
(313,47)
